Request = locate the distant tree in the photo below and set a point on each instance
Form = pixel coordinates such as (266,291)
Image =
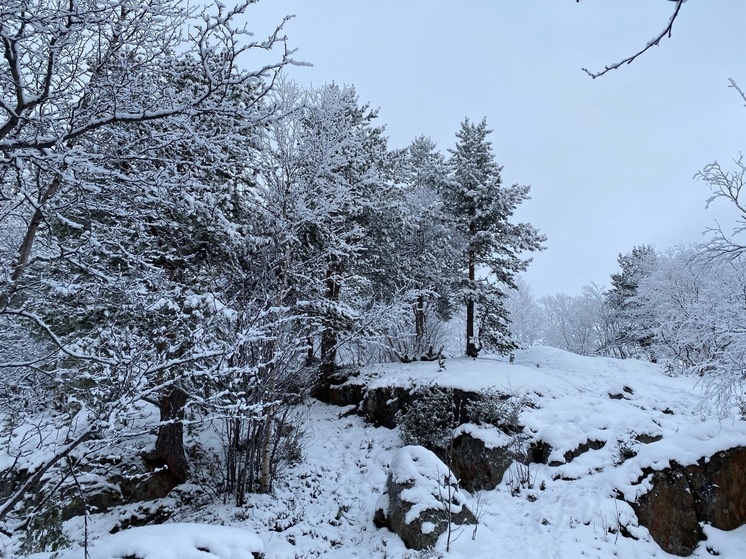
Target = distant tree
(480,208)
(634,335)
(525,314)
(577,323)
(323,174)
(698,305)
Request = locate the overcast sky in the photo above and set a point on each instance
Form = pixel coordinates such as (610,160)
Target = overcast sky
(610,161)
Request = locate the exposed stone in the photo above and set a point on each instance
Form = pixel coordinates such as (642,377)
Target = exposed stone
(347,411)
(626,391)
(156,486)
(477,465)
(538,452)
(341,388)
(421,494)
(668,512)
(97,500)
(380,518)
(145,515)
(582,448)
(711,491)
(380,405)
(645,438)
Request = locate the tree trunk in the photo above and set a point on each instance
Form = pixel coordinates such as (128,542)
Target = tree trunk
(265,479)
(472,348)
(329,339)
(419,322)
(24,252)
(309,351)
(169,446)
(329,335)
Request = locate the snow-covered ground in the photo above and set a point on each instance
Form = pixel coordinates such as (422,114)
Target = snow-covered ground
(324,506)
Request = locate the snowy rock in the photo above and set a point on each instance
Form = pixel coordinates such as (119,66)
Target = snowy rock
(421,494)
(382,403)
(682,498)
(481,456)
(342,388)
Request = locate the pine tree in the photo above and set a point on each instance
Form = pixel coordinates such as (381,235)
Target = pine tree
(480,208)
(634,334)
(425,254)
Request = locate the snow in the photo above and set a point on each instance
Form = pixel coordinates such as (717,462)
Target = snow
(323,507)
(490,436)
(427,475)
(174,541)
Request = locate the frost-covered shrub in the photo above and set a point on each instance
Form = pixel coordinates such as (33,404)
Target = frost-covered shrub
(430,418)
(495,408)
(44,533)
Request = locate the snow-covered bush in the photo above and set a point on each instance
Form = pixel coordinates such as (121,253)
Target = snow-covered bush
(430,418)
(496,408)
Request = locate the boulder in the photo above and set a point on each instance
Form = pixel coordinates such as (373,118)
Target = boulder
(712,491)
(481,456)
(669,513)
(381,405)
(420,499)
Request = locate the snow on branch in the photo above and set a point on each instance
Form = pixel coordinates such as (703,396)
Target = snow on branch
(655,41)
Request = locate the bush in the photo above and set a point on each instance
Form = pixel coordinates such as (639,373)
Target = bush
(495,408)
(430,418)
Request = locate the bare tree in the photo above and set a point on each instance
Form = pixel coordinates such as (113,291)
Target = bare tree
(727,184)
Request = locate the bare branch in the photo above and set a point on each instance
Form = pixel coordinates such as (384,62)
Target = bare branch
(652,43)
(740,91)
(727,185)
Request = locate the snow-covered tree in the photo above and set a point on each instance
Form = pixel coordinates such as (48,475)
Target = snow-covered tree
(726,184)
(525,314)
(699,306)
(117,165)
(480,208)
(577,323)
(425,254)
(633,321)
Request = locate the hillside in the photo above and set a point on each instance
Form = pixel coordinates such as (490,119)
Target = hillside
(638,418)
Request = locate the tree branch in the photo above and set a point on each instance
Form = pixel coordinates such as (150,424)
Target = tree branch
(653,43)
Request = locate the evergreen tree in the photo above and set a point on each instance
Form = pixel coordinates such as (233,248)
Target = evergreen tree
(480,207)
(323,187)
(424,253)
(634,325)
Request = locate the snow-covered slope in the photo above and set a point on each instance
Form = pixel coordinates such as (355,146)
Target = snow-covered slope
(324,506)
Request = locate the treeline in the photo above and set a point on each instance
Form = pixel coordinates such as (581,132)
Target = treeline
(684,308)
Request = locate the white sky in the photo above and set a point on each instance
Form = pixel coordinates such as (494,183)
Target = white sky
(610,160)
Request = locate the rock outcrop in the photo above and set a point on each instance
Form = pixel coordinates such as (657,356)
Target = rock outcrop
(420,499)
(712,491)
